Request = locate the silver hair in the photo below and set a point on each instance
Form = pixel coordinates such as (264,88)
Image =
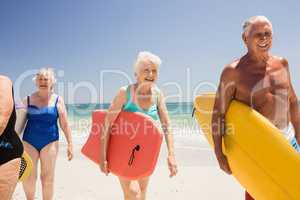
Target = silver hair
(47,72)
(146,56)
(252,20)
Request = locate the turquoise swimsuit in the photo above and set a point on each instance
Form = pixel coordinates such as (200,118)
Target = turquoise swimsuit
(131,106)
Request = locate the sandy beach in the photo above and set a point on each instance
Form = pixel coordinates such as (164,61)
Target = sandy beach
(199,178)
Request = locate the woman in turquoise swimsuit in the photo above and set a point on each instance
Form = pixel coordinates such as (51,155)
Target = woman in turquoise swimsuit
(41,134)
(145,97)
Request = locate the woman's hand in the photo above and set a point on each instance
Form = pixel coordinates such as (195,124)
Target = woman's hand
(70,152)
(172,165)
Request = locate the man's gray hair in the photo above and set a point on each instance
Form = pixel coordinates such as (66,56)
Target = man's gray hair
(252,20)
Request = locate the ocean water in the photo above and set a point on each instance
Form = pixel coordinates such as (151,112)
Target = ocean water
(184,128)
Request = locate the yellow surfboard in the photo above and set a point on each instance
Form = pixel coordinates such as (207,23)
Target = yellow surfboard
(261,159)
(26,167)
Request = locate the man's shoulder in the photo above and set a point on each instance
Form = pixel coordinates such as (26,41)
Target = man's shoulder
(229,71)
(231,67)
(281,59)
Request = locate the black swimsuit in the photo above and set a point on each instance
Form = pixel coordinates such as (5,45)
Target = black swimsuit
(11,146)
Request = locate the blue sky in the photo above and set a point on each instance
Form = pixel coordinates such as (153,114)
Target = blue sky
(80,39)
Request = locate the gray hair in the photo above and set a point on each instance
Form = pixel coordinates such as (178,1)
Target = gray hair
(47,72)
(146,56)
(252,20)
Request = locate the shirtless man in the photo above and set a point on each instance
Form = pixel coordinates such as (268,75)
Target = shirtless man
(260,80)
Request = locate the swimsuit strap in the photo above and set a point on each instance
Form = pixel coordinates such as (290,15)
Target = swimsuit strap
(128,96)
(28,101)
(157,96)
(13,94)
(56,101)
(132,94)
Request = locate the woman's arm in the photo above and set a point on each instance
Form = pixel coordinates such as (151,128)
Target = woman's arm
(112,113)
(6,102)
(165,123)
(21,116)
(63,122)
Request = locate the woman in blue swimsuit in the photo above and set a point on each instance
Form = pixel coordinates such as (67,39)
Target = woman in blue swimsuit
(41,134)
(145,97)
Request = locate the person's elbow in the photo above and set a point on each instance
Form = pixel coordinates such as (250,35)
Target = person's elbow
(6,113)
(64,125)
(215,125)
(294,103)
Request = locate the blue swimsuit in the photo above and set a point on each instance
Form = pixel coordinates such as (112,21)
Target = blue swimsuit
(131,106)
(41,128)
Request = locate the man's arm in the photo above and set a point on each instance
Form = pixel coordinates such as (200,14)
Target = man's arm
(293,103)
(225,94)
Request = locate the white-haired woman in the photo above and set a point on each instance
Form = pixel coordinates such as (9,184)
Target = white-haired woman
(142,96)
(41,134)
